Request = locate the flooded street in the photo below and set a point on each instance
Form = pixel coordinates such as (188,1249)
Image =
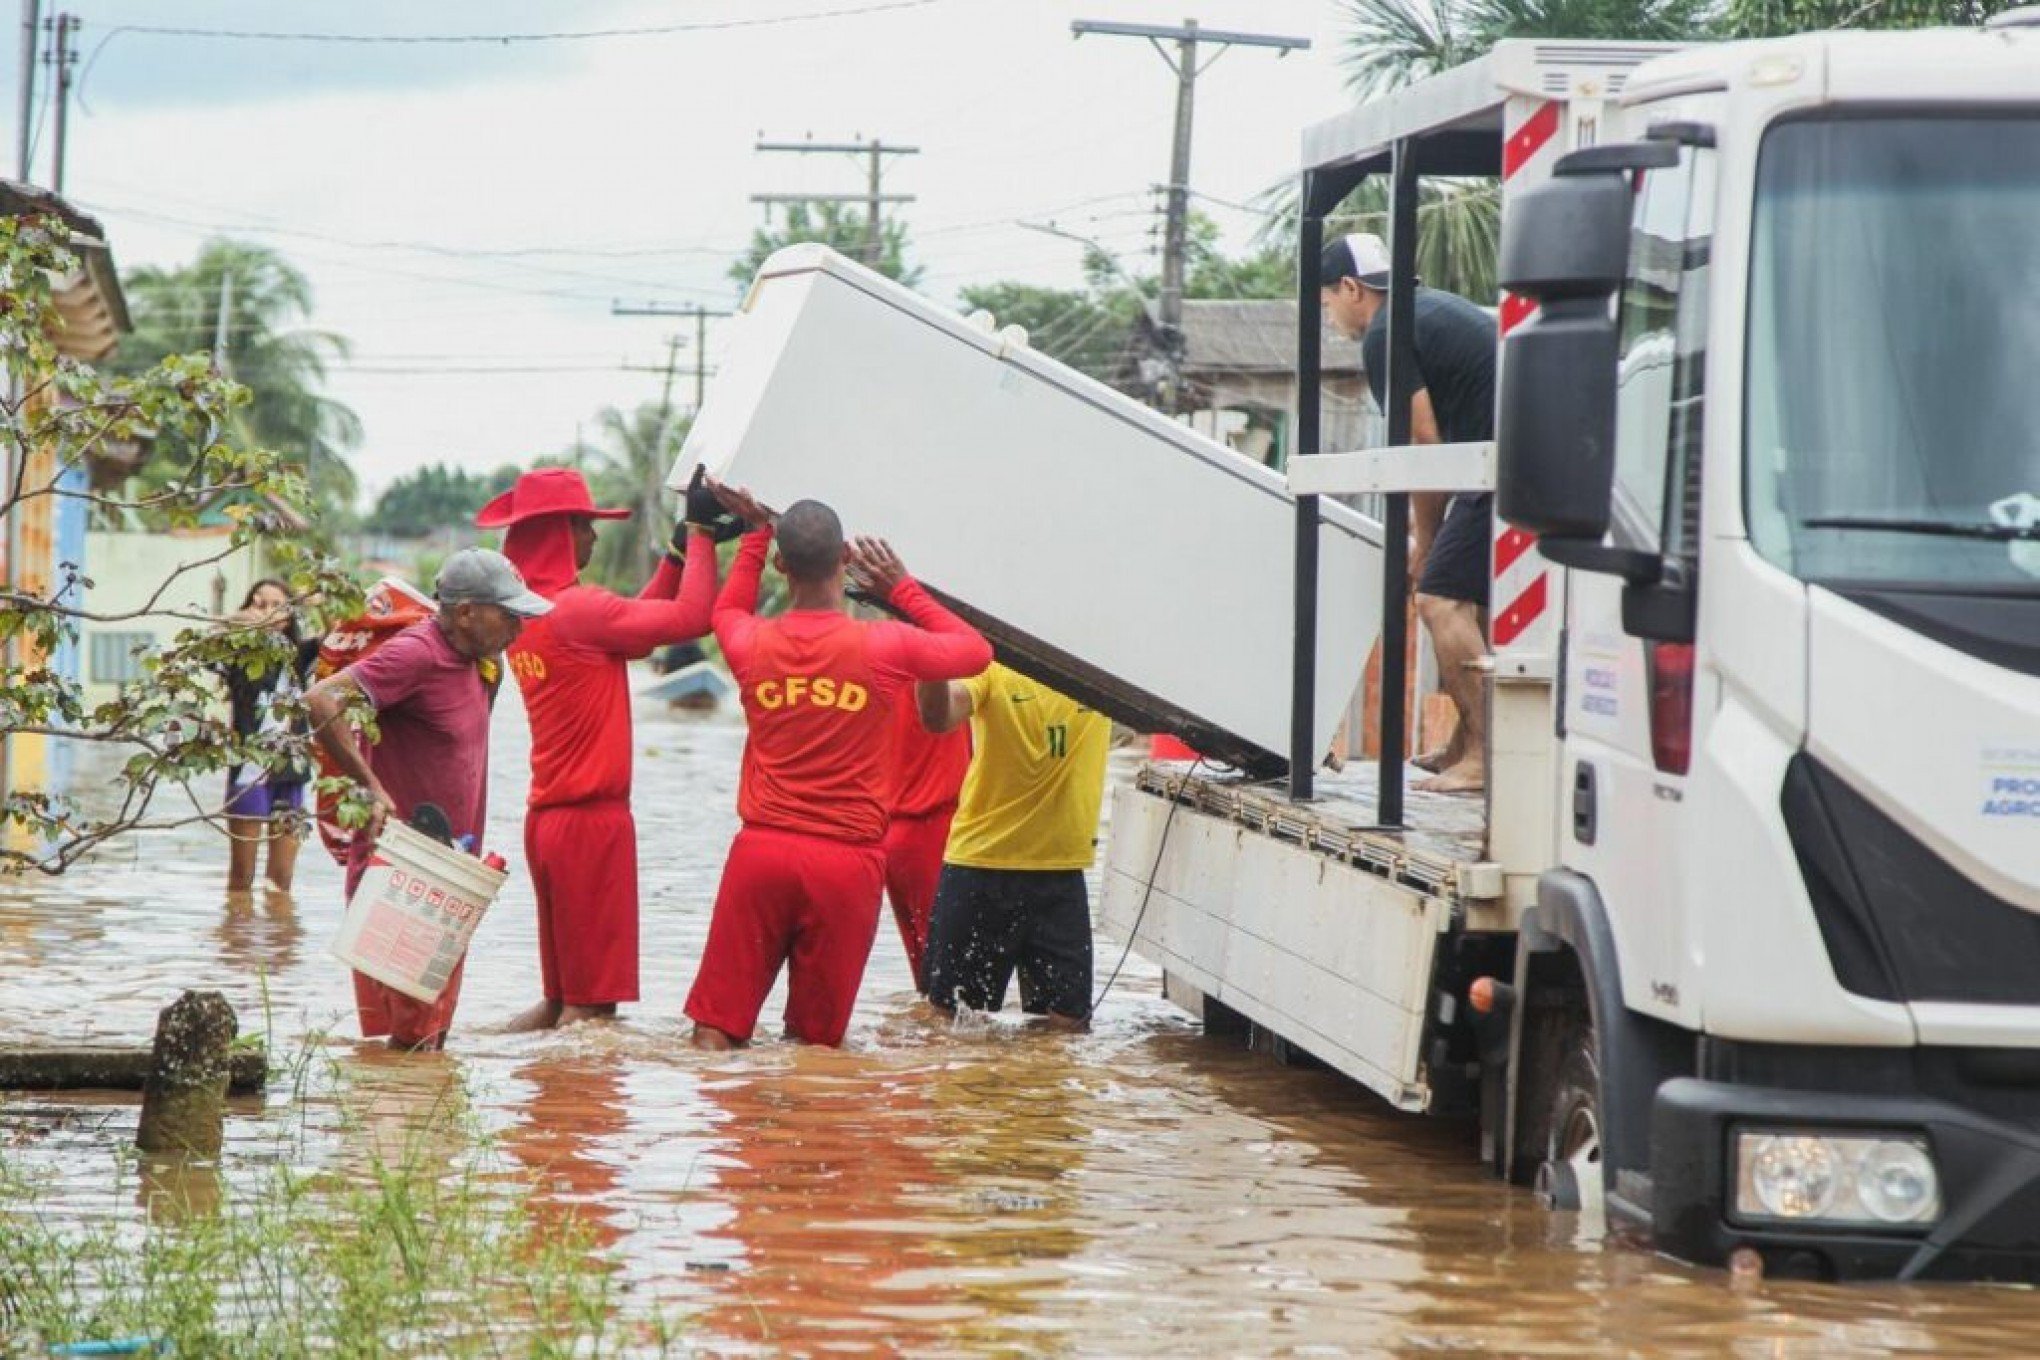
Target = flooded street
(986,1191)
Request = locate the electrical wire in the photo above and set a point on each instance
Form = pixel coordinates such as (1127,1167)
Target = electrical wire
(511,39)
(256,228)
(1147,894)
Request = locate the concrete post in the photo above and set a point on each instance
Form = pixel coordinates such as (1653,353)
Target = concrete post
(184,1098)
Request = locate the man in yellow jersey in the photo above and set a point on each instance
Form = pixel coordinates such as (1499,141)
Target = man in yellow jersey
(1012,892)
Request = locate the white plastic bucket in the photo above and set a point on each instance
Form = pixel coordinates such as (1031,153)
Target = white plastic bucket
(415,909)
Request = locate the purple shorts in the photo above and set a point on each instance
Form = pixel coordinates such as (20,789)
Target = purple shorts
(262,800)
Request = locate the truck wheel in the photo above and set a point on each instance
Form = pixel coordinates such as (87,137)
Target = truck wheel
(1571,1177)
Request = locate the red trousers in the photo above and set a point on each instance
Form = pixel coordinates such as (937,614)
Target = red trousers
(382,1009)
(787,899)
(583,862)
(913,866)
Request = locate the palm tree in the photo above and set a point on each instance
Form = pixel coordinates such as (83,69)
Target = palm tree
(1394,42)
(267,350)
(1458,227)
(628,467)
(1765,18)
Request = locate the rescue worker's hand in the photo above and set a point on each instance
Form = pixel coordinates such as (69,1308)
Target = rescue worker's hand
(875,567)
(701,513)
(741,503)
(384,809)
(702,508)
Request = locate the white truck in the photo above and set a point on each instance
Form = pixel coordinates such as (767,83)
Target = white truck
(1745,943)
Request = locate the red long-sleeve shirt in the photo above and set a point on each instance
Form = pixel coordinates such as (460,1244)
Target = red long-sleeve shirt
(927,767)
(819,689)
(570,666)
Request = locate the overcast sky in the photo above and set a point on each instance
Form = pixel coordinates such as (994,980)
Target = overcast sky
(478,206)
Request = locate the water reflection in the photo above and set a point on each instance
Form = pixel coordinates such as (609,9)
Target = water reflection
(566,1135)
(175,1189)
(402,1110)
(1137,1190)
(259,932)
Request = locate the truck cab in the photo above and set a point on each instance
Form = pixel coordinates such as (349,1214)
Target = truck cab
(1773,418)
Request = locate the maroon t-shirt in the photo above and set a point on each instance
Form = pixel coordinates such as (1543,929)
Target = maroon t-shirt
(433,712)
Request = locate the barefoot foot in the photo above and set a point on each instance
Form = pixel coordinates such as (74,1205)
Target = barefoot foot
(1468,776)
(544,1015)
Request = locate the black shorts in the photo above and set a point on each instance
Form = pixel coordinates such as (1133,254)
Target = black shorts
(1457,568)
(988,922)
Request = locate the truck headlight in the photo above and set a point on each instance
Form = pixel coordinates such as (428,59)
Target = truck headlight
(1807,1176)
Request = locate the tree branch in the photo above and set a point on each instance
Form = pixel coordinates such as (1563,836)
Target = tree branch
(148,609)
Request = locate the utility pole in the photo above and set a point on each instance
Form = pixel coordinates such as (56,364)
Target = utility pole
(669,368)
(701,316)
(1185,64)
(63,58)
(220,323)
(873,197)
(31,43)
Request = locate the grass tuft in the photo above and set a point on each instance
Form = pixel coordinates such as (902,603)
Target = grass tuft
(412,1239)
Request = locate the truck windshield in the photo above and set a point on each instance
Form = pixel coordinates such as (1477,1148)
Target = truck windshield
(1893,380)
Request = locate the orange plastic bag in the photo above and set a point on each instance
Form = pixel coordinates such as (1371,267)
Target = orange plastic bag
(390,607)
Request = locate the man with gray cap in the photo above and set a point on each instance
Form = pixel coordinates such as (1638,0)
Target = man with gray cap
(431,687)
(1454,348)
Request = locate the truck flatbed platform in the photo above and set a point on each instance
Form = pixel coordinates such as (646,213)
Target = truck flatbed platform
(1438,851)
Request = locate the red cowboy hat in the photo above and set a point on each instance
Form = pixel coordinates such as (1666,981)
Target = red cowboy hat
(543,491)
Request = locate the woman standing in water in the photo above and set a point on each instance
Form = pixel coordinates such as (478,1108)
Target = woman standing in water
(262,803)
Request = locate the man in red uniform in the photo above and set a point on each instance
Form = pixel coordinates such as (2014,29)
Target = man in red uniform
(431,687)
(802,883)
(580,841)
(928,771)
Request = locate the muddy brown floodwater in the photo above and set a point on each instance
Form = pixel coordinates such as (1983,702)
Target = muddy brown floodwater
(987,1191)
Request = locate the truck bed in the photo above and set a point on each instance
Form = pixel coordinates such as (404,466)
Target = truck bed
(1308,919)
(1434,853)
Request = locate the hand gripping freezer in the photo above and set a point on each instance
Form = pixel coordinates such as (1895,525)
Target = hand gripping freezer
(1103,548)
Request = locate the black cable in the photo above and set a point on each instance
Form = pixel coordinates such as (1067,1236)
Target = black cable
(1147,895)
(508,39)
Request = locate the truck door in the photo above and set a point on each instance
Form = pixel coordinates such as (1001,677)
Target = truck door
(1629,709)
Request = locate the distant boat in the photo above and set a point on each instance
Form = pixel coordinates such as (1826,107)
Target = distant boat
(699,685)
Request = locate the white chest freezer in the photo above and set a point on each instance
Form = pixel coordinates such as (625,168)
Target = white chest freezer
(1103,548)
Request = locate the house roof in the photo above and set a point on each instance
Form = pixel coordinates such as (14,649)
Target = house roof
(1243,337)
(91,302)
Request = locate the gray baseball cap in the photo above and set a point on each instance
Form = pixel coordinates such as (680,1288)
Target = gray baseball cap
(482,576)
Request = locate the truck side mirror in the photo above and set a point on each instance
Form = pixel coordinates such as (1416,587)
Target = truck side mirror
(1565,245)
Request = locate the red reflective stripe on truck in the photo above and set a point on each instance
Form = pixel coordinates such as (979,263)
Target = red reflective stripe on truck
(1539,128)
(1527,599)
(1511,545)
(1523,611)
(1515,309)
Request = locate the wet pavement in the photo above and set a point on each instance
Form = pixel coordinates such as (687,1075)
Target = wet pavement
(928,1190)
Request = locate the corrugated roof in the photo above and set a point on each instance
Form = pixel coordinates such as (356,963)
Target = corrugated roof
(100,318)
(1255,336)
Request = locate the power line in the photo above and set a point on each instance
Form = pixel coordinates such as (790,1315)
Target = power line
(471,370)
(701,316)
(873,196)
(258,228)
(392,271)
(511,39)
(1187,38)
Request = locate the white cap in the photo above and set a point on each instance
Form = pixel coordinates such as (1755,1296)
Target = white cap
(1370,259)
